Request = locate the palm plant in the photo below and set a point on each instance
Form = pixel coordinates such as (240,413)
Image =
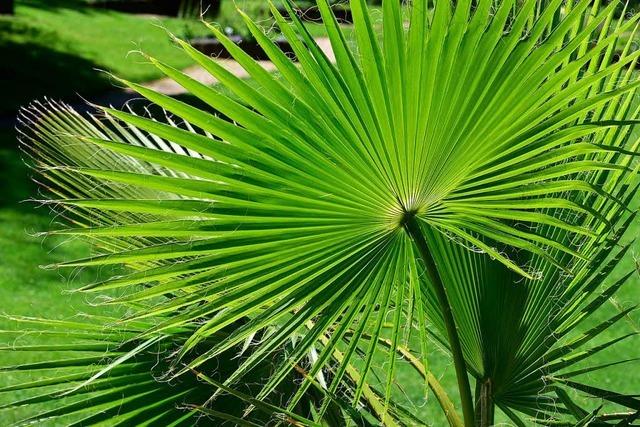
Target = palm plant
(463,180)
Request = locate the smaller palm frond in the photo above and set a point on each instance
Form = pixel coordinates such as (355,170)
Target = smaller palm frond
(98,370)
(87,372)
(527,341)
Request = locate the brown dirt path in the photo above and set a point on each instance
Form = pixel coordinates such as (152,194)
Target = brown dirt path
(169,87)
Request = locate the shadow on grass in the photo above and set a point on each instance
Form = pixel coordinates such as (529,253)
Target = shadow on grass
(30,71)
(18,185)
(76,5)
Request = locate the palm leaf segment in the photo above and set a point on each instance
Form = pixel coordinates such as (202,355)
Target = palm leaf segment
(95,371)
(91,376)
(290,207)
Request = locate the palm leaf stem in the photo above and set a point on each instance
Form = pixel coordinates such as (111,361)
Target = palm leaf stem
(377,406)
(485,408)
(441,395)
(412,228)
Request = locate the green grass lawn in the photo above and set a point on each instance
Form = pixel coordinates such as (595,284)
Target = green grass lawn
(53,47)
(25,287)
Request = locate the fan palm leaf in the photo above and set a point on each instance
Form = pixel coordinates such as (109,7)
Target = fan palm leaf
(60,125)
(439,164)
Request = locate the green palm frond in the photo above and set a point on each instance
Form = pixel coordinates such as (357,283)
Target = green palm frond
(95,370)
(426,170)
(92,377)
(63,126)
(92,371)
